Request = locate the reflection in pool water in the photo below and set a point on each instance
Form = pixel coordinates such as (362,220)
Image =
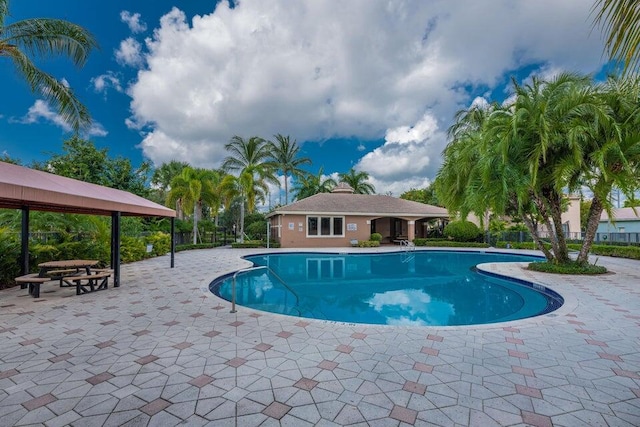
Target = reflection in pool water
(403,288)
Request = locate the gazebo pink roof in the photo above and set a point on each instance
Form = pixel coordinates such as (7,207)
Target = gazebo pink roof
(37,190)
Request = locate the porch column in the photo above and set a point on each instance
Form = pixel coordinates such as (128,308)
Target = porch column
(24,241)
(173,241)
(411,230)
(115,247)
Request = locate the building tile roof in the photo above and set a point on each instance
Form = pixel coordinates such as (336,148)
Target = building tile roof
(622,214)
(360,204)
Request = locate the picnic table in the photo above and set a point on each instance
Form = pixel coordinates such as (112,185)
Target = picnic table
(73,272)
(49,267)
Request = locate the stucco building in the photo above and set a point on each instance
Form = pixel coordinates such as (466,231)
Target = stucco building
(625,220)
(336,219)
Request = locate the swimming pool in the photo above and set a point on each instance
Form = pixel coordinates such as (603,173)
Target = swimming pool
(436,288)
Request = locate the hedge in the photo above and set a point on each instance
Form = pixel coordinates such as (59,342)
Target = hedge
(254,244)
(448,243)
(190,246)
(631,252)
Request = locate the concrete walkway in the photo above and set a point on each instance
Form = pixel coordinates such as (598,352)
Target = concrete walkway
(162,351)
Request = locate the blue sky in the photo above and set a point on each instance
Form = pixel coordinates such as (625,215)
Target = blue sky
(371,85)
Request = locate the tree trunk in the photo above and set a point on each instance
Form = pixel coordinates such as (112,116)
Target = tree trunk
(595,211)
(533,229)
(286,190)
(544,214)
(241,220)
(555,202)
(195,223)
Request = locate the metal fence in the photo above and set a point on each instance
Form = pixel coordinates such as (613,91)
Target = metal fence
(182,237)
(600,238)
(629,238)
(186,238)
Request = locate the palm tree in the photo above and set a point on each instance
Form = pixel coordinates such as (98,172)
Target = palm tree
(308,185)
(358,181)
(284,154)
(250,157)
(545,116)
(162,177)
(45,37)
(250,160)
(621,20)
(194,189)
(558,135)
(612,138)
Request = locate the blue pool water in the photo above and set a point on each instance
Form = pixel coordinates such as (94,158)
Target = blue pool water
(401,288)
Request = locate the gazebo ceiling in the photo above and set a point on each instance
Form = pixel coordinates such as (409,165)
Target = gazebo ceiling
(37,190)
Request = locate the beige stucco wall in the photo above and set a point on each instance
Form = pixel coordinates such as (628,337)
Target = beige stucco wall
(296,236)
(572,215)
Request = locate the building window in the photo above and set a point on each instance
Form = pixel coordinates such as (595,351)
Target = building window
(337,226)
(312,228)
(325,226)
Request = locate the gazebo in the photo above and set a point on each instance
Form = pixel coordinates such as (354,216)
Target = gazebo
(29,189)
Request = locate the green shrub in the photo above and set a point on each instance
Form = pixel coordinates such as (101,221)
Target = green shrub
(632,252)
(40,253)
(368,243)
(421,241)
(376,237)
(85,249)
(132,249)
(10,264)
(517,245)
(436,243)
(188,247)
(161,243)
(249,244)
(257,230)
(567,268)
(462,231)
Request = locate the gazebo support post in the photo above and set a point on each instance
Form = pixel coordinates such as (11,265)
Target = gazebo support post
(173,241)
(25,240)
(115,247)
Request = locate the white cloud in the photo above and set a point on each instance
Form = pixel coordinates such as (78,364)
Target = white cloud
(130,53)
(41,111)
(106,81)
(367,70)
(96,129)
(407,158)
(133,21)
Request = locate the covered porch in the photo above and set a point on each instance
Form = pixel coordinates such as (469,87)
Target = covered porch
(395,229)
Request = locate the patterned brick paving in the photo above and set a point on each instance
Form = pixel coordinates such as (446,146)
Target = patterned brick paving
(161,350)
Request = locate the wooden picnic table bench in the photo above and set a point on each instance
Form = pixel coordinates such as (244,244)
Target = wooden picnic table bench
(33,282)
(70,273)
(86,283)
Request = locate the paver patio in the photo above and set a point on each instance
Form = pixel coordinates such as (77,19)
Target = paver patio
(161,350)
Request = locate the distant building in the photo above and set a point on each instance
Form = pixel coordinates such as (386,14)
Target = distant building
(570,220)
(625,220)
(341,217)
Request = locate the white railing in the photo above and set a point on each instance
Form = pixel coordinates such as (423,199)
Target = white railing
(233,285)
(407,245)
